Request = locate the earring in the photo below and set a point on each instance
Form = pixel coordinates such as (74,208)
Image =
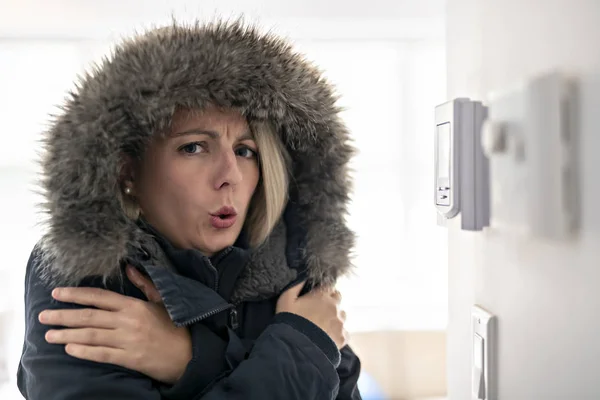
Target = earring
(128,191)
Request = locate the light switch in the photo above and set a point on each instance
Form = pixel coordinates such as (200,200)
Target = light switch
(478,372)
(483,325)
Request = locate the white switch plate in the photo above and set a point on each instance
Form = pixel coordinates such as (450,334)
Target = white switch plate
(530,138)
(483,366)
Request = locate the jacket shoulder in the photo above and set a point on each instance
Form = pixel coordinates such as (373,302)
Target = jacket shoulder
(46,371)
(39,281)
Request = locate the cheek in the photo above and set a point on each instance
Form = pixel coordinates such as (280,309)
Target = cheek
(162,182)
(154,177)
(252,176)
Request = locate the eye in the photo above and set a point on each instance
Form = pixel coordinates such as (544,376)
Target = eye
(193,148)
(245,152)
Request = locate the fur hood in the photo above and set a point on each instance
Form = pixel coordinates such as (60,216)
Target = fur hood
(132,95)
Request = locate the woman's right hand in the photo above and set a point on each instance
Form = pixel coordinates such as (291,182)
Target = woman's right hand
(320,306)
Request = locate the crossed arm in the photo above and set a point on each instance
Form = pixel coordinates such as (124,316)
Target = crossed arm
(117,345)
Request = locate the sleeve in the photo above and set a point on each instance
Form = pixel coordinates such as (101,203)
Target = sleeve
(291,359)
(349,372)
(284,364)
(47,372)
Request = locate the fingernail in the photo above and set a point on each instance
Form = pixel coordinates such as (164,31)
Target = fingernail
(50,336)
(43,317)
(56,292)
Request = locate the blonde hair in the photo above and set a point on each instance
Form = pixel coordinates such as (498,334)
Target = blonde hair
(271,195)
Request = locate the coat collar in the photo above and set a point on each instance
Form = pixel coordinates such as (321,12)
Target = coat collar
(187,301)
(194,287)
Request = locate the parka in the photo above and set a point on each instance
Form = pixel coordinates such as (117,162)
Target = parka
(241,348)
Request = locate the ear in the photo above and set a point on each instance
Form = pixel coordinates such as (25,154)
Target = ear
(126,187)
(127,169)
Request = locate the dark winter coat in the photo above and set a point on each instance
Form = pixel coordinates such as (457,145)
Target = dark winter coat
(241,349)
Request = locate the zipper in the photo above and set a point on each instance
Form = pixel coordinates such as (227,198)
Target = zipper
(234,317)
(223,254)
(205,315)
(234,322)
(233,314)
(216,274)
(219,258)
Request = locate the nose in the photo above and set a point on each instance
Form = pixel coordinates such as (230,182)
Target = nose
(228,171)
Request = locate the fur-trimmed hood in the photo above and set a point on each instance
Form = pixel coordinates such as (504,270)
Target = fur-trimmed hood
(133,94)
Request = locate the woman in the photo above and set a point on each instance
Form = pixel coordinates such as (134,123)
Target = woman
(196,187)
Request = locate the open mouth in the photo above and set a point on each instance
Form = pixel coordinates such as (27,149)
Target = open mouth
(225,212)
(224,218)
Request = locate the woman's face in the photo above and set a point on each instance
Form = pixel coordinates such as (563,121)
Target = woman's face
(195,184)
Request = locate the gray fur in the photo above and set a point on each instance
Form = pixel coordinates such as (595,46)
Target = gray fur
(132,95)
(267,271)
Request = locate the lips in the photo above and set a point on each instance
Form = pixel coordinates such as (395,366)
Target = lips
(224,218)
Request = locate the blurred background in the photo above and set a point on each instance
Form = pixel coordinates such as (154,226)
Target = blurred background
(387,59)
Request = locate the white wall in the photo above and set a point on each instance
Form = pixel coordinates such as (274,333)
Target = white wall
(545,294)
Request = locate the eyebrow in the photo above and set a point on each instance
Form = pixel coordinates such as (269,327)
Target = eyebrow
(213,135)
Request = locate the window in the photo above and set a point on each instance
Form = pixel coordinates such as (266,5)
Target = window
(389,90)
(34,77)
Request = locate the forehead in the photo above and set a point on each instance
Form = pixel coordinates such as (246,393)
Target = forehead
(210,117)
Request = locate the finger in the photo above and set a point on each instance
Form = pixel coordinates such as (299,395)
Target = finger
(82,318)
(84,336)
(293,293)
(88,296)
(336,295)
(328,290)
(98,354)
(342,340)
(346,338)
(144,284)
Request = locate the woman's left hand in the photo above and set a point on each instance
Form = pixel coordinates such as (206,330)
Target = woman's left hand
(124,331)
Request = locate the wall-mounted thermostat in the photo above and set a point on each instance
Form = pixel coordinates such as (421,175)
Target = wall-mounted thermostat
(531,140)
(461,182)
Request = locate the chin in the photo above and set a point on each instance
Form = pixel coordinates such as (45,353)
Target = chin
(220,241)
